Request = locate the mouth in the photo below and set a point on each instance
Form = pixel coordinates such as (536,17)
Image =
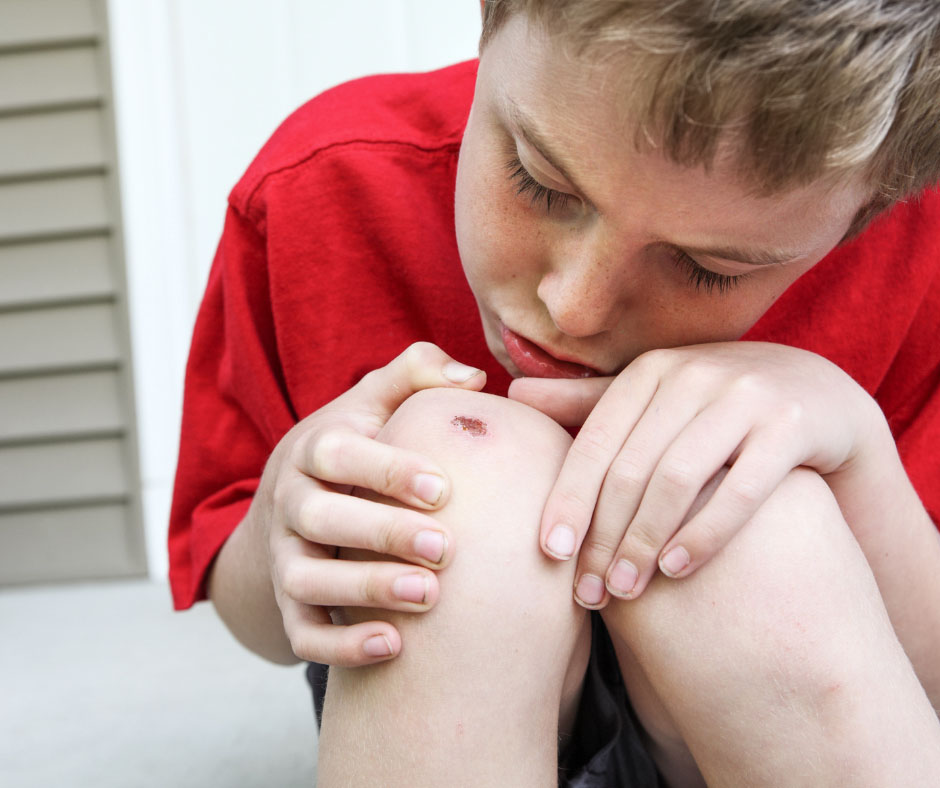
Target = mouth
(534,362)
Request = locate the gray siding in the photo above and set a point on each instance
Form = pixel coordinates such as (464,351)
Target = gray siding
(69,481)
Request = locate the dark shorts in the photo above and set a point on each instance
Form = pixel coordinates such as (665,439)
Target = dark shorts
(606,750)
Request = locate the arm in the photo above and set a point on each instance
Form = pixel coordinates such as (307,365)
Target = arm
(240,588)
(245,465)
(902,546)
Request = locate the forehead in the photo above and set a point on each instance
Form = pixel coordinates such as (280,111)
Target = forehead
(582,110)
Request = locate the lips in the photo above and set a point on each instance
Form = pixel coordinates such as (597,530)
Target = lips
(534,362)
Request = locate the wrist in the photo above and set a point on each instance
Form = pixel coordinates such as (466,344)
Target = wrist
(873,484)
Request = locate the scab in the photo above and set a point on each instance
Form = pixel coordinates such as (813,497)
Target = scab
(469,424)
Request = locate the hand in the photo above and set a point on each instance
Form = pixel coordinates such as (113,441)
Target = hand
(654,437)
(305,513)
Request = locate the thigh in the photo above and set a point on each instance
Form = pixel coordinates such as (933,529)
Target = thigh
(775,658)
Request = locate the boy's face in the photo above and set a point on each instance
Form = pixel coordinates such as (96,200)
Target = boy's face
(608,252)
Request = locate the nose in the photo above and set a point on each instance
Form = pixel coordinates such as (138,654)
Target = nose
(583,293)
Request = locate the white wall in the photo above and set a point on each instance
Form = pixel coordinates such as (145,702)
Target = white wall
(199,85)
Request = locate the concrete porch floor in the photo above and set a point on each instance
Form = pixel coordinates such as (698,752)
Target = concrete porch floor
(104,685)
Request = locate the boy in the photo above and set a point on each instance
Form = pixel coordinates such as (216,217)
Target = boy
(639,186)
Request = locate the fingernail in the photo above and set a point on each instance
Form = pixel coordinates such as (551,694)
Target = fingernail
(456,372)
(622,578)
(431,545)
(411,588)
(429,487)
(560,542)
(590,590)
(377,646)
(674,561)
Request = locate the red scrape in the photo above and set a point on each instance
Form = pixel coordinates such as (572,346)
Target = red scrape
(468,424)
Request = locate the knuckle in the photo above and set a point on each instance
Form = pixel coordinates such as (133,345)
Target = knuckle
(326,454)
(707,539)
(743,494)
(369,588)
(295,582)
(371,379)
(642,539)
(394,477)
(573,506)
(700,373)
(677,473)
(748,385)
(280,498)
(384,535)
(790,416)
(417,355)
(389,478)
(302,647)
(656,359)
(594,442)
(311,509)
(597,551)
(296,644)
(626,476)
(346,653)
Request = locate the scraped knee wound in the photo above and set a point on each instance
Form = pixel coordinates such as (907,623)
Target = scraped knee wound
(502,458)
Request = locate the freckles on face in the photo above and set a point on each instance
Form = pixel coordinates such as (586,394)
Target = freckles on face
(596,251)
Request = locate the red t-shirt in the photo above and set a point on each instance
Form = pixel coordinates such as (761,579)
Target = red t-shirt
(339,251)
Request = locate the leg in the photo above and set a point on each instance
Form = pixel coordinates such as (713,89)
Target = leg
(476,694)
(776,664)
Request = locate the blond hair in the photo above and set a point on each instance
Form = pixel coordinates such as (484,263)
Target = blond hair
(805,89)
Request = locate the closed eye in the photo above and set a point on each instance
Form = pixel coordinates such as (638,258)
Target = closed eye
(700,278)
(527,185)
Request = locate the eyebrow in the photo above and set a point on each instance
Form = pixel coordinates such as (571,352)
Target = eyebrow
(529,131)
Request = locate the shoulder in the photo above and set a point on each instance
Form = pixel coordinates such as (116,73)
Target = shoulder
(425,112)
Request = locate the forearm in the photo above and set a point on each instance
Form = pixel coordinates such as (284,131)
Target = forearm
(241,591)
(902,546)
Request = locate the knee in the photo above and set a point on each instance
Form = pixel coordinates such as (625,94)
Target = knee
(504,442)
(501,459)
(786,597)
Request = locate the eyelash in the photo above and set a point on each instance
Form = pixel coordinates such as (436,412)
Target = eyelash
(526,184)
(699,278)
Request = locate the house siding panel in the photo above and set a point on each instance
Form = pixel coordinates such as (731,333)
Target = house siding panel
(69,479)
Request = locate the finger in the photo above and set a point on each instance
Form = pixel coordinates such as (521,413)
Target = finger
(343,456)
(569,402)
(421,366)
(315,639)
(340,520)
(570,505)
(701,447)
(623,488)
(761,466)
(388,585)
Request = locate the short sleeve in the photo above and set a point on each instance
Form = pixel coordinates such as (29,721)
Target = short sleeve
(235,408)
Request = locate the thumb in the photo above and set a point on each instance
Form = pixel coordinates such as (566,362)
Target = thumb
(567,401)
(422,365)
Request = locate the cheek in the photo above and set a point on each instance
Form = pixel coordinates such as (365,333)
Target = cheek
(497,240)
(719,318)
